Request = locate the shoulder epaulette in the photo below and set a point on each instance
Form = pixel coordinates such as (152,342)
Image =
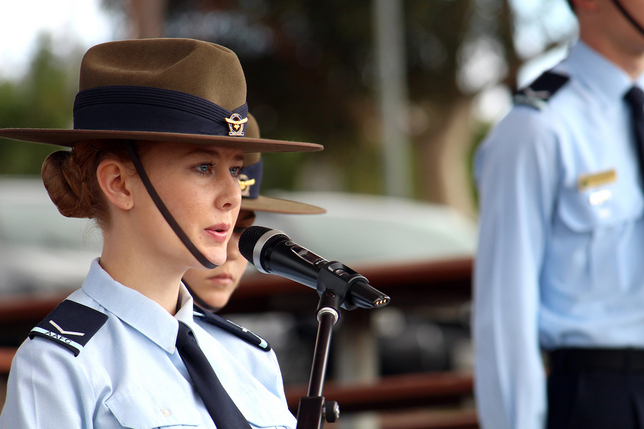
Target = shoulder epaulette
(539,92)
(232,327)
(71,325)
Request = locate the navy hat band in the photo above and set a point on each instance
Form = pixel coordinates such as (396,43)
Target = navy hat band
(142,108)
(250,180)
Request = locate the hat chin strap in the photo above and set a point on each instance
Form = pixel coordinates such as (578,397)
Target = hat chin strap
(129,145)
(629,17)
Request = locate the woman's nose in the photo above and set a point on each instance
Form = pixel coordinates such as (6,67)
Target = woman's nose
(230,197)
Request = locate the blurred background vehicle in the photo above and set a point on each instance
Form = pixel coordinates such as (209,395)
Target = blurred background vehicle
(366,231)
(370,229)
(41,251)
(44,254)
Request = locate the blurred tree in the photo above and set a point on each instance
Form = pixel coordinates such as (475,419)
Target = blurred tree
(41,99)
(311,76)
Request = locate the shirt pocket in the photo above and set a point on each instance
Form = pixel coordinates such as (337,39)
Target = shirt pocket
(266,411)
(598,221)
(587,210)
(141,408)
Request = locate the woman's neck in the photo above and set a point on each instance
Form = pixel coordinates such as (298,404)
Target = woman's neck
(129,264)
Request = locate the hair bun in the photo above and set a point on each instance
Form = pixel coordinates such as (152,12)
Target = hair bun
(65,183)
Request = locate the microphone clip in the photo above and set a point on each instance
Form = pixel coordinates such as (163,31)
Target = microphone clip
(353,289)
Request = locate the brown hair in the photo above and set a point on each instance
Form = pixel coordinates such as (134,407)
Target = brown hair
(70,178)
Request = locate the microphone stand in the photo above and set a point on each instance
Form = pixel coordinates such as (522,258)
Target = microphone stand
(312,408)
(334,283)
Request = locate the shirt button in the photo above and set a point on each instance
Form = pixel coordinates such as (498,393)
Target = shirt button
(166,412)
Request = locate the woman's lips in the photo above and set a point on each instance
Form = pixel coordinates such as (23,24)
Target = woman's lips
(221,279)
(218,232)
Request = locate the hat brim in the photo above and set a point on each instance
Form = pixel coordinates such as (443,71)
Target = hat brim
(278,205)
(63,137)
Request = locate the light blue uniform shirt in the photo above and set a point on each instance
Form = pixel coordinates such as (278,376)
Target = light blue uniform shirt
(559,264)
(130,374)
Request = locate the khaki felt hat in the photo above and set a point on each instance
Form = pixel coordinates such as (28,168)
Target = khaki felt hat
(178,90)
(250,180)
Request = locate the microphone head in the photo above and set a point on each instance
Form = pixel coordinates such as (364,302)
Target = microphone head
(255,239)
(249,238)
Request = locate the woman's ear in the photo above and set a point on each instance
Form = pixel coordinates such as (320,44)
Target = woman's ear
(116,183)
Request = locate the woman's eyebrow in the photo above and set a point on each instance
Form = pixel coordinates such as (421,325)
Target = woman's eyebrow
(210,152)
(201,151)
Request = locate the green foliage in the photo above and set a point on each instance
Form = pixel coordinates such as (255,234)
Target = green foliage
(480,131)
(41,99)
(310,68)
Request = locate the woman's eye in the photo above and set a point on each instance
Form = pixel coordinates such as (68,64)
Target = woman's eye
(204,169)
(234,171)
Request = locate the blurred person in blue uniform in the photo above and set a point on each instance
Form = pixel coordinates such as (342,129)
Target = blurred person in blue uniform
(211,289)
(156,151)
(559,265)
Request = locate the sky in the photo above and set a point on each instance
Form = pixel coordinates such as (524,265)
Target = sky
(70,22)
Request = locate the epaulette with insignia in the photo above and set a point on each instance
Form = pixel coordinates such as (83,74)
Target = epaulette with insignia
(232,327)
(71,325)
(539,92)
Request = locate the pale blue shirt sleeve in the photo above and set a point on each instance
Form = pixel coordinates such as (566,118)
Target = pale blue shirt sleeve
(516,173)
(129,373)
(52,391)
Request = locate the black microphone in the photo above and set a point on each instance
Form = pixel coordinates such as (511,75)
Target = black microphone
(271,251)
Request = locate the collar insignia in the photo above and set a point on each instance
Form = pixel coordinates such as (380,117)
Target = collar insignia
(245,184)
(236,125)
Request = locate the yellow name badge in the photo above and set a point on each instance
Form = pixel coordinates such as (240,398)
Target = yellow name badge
(588,181)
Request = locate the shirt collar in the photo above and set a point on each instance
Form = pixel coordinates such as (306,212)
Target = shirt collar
(640,81)
(597,73)
(137,310)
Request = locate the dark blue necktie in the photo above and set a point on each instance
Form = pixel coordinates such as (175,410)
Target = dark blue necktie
(221,407)
(635,97)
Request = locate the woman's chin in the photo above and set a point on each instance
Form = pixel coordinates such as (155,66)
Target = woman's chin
(218,301)
(217,258)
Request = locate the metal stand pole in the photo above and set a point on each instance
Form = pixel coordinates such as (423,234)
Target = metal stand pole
(334,284)
(312,409)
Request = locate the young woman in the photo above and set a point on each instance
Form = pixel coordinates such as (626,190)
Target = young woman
(212,289)
(157,147)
